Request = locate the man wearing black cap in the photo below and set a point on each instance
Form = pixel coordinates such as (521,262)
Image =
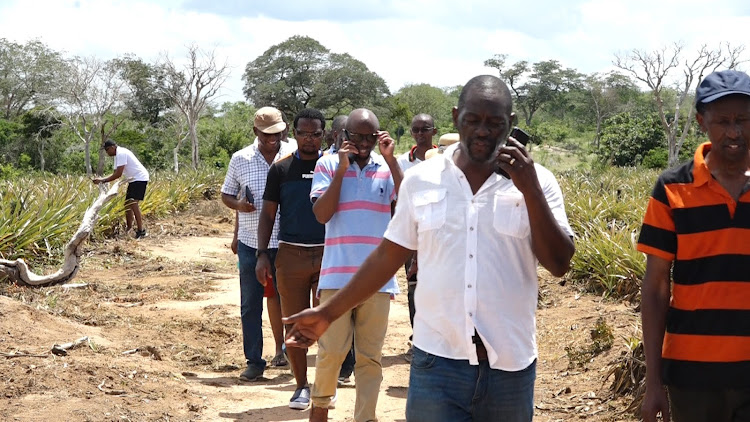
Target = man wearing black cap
(696,291)
(137,176)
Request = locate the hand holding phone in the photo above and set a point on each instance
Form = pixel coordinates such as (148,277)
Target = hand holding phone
(523,138)
(249,195)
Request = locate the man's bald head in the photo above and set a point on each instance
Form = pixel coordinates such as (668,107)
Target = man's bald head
(490,87)
(360,119)
(423,117)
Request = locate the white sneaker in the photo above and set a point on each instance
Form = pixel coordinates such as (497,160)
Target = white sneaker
(301,399)
(335,397)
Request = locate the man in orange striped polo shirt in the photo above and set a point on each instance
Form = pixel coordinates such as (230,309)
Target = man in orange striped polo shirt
(697,240)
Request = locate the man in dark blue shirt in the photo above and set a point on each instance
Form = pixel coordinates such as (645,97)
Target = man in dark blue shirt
(301,236)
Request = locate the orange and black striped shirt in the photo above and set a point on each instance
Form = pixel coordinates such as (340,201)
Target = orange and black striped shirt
(694,222)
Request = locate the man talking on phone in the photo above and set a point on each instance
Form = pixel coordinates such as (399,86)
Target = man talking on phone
(352,193)
(478,237)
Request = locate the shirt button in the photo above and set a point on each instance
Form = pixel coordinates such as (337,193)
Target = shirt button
(469,286)
(470,314)
(471,228)
(471,256)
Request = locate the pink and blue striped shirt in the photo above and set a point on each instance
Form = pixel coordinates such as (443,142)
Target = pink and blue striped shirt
(360,220)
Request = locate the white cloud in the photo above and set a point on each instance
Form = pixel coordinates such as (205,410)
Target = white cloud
(442,42)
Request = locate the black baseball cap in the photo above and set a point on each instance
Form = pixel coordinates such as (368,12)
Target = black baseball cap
(720,84)
(108,143)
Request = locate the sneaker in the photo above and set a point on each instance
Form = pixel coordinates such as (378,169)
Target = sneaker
(140,234)
(301,399)
(332,404)
(345,382)
(252,373)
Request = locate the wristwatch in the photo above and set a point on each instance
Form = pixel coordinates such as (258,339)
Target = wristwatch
(260,252)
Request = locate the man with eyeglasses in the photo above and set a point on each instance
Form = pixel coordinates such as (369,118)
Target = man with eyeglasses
(301,236)
(352,193)
(422,130)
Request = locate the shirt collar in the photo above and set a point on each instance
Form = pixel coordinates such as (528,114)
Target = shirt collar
(701,173)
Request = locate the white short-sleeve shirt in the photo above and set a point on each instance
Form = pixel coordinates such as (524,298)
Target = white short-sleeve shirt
(476,266)
(134,170)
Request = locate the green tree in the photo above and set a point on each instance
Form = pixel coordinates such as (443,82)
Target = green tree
(425,98)
(300,72)
(628,137)
(666,71)
(537,85)
(147,100)
(29,74)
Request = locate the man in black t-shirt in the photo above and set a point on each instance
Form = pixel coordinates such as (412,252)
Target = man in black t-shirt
(301,236)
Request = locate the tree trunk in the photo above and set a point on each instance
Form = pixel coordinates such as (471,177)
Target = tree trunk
(193,132)
(87,158)
(176,154)
(100,164)
(40,148)
(18,271)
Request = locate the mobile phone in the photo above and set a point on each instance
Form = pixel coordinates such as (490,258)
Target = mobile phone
(519,135)
(249,195)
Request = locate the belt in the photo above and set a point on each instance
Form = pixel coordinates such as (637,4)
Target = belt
(481,350)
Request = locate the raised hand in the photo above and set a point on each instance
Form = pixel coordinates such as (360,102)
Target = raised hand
(386,144)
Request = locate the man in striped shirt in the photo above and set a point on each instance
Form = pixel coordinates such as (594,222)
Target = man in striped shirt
(352,193)
(695,235)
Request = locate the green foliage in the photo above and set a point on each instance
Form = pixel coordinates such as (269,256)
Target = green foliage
(300,72)
(39,213)
(605,209)
(538,85)
(29,73)
(549,131)
(628,137)
(657,158)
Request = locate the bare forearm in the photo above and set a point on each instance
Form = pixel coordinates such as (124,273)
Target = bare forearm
(551,245)
(265,224)
(230,201)
(327,204)
(654,306)
(377,269)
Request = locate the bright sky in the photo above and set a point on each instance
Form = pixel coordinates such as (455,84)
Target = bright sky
(440,42)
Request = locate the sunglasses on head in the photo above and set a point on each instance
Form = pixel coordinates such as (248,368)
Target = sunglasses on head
(421,129)
(359,137)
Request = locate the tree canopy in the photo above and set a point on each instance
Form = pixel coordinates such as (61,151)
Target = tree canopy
(300,72)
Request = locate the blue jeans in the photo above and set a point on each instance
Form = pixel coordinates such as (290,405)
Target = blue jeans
(251,304)
(450,390)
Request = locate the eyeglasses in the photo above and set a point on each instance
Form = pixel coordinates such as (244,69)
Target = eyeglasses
(422,129)
(309,135)
(359,137)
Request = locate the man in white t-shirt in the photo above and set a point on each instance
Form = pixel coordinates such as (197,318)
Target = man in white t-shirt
(479,237)
(127,164)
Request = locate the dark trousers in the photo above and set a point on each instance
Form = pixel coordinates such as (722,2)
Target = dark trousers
(728,405)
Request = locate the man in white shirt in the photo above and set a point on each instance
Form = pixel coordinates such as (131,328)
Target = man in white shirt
(137,176)
(479,237)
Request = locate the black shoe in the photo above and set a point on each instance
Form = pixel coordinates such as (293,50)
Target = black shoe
(140,234)
(252,373)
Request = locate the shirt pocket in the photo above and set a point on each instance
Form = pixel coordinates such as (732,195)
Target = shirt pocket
(511,217)
(430,209)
